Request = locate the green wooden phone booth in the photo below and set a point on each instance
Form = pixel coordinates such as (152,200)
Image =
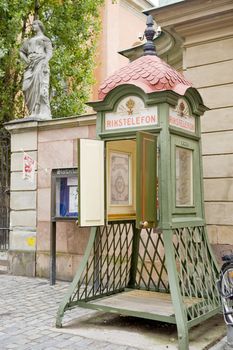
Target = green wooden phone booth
(140,186)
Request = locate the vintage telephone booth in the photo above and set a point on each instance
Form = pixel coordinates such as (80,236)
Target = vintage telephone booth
(140,187)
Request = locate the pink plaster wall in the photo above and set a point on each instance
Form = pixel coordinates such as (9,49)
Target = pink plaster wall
(57,148)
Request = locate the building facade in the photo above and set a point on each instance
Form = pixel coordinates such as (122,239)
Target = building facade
(122,21)
(204,31)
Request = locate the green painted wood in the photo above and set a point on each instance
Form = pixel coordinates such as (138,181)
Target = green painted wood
(204,317)
(73,286)
(146,180)
(179,132)
(134,258)
(128,133)
(182,221)
(187,144)
(129,312)
(164,169)
(180,311)
(97,297)
(99,124)
(166,195)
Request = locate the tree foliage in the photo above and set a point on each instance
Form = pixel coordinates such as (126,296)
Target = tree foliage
(73,27)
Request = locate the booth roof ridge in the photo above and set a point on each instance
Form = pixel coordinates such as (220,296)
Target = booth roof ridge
(149,73)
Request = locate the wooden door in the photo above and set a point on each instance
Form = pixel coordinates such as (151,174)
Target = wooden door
(146,193)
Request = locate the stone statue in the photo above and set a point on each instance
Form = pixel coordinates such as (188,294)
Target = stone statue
(36,52)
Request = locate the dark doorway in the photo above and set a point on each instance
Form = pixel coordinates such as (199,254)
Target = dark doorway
(4,189)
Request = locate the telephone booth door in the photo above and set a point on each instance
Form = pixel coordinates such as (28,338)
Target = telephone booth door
(126,178)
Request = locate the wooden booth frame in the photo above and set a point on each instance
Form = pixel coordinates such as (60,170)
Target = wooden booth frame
(163,258)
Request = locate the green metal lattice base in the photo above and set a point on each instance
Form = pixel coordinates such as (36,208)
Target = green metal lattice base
(168,276)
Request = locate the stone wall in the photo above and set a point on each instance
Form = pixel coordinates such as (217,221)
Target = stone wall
(53,144)
(22,201)
(209,65)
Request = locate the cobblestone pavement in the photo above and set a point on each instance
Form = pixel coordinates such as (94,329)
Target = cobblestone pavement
(28,309)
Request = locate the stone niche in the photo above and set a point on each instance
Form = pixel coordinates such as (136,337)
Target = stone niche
(53,145)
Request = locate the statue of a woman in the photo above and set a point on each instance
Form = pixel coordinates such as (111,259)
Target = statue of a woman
(36,52)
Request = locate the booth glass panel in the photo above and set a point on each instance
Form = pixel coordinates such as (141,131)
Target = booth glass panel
(120,184)
(186,182)
(184,177)
(120,178)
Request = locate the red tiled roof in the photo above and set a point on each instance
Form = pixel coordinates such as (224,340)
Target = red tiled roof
(149,73)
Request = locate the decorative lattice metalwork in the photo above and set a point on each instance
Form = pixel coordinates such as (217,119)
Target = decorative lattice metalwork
(177,264)
(4,189)
(108,268)
(151,270)
(196,269)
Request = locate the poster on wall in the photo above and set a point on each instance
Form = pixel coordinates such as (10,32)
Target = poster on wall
(29,165)
(73,199)
(67,197)
(65,203)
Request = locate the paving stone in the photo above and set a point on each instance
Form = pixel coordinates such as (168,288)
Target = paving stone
(33,336)
(115,347)
(11,346)
(75,338)
(39,347)
(28,311)
(20,339)
(101,345)
(4,337)
(66,344)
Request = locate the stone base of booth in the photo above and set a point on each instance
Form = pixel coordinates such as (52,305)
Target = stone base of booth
(22,263)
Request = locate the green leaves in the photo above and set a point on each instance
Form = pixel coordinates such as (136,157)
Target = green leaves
(73,27)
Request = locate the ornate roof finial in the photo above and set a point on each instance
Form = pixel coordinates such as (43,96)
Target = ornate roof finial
(149,46)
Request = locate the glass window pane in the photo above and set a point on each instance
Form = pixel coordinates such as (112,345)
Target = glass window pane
(66,197)
(120,185)
(184,177)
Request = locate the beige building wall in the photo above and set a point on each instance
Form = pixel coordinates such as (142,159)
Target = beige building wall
(122,21)
(212,74)
(23,214)
(206,31)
